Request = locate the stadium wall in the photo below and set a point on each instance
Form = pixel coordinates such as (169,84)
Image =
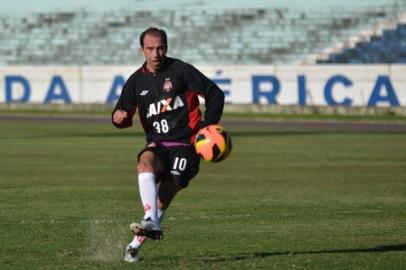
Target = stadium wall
(321,85)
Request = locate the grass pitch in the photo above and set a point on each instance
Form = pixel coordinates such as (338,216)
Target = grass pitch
(283,200)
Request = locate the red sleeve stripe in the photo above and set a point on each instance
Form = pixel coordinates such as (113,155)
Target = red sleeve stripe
(194,111)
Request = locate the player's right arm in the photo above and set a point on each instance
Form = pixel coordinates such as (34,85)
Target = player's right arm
(126,106)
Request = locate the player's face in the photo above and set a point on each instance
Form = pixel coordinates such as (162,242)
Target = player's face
(154,52)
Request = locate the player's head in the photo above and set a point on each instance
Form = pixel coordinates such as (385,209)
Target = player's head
(153,31)
(154,45)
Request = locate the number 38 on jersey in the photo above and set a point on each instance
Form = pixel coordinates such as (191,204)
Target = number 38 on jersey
(161,126)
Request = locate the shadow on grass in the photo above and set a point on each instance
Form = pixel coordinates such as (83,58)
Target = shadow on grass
(238,257)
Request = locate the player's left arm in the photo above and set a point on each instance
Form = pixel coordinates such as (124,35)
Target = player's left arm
(206,88)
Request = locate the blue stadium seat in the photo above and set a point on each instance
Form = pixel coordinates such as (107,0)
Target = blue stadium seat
(390,47)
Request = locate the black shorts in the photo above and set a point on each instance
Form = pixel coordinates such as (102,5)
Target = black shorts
(181,163)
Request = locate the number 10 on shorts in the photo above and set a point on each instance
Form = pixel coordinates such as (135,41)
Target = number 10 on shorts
(179,164)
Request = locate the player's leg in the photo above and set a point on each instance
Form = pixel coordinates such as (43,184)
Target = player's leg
(133,248)
(185,165)
(149,165)
(166,192)
(148,227)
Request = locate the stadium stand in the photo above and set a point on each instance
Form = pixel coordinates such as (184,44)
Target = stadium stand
(381,46)
(223,33)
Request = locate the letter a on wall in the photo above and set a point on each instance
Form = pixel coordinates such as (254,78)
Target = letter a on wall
(114,94)
(57,91)
(383,82)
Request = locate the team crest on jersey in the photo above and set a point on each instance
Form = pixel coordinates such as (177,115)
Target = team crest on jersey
(168,86)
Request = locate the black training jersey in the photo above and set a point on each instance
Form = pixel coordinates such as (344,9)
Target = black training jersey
(167,102)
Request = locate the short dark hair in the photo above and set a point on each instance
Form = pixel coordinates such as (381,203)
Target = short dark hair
(155,32)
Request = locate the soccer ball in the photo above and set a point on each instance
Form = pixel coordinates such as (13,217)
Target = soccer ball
(213,143)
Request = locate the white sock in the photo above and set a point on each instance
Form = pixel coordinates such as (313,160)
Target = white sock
(138,241)
(148,194)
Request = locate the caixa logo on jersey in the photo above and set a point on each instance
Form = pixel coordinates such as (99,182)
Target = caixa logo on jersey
(165,105)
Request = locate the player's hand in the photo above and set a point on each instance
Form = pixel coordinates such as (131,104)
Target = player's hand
(119,116)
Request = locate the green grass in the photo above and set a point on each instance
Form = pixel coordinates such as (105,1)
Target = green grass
(318,116)
(241,112)
(283,200)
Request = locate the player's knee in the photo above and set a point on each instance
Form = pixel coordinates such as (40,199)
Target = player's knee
(148,162)
(145,163)
(144,166)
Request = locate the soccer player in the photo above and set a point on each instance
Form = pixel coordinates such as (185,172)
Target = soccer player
(165,92)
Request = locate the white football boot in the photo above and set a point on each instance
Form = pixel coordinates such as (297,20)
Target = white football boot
(147,228)
(131,254)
